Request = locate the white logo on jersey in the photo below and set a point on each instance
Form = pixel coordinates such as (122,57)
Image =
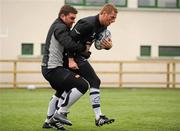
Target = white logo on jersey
(93,34)
(77,32)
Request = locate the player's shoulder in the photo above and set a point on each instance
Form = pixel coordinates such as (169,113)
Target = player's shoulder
(90,20)
(84,24)
(58,24)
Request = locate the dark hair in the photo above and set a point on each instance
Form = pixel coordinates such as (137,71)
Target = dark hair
(66,9)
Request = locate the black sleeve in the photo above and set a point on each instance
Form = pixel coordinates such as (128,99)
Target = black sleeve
(81,30)
(62,35)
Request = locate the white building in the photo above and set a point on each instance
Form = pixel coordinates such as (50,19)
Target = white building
(137,31)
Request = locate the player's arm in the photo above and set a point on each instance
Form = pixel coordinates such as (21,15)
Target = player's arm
(71,47)
(86,54)
(81,30)
(62,35)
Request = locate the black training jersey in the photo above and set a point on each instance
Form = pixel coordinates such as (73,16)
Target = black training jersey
(58,40)
(87,29)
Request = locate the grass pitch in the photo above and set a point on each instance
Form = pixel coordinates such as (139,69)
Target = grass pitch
(133,109)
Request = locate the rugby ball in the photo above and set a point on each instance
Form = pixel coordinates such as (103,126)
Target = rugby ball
(102,35)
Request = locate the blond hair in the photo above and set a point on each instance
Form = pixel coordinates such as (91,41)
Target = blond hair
(108,8)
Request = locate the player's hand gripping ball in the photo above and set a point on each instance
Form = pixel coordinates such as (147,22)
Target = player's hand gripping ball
(103,35)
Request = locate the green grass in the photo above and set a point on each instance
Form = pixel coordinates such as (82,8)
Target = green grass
(133,109)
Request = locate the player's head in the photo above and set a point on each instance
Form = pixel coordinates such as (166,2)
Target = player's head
(68,14)
(108,14)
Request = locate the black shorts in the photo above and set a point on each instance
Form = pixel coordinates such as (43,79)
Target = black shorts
(62,79)
(87,71)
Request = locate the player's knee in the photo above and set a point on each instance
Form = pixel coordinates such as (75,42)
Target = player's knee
(95,83)
(58,94)
(83,87)
(98,81)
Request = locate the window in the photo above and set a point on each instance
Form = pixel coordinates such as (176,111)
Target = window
(42,48)
(146,3)
(27,49)
(145,50)
(159,3)
(120,3)
(167,3)
(169,50)
(75,2)
(95,2)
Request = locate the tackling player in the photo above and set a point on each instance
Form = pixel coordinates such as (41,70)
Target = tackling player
(53,69)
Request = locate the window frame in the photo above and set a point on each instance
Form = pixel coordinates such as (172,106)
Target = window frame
(105,1)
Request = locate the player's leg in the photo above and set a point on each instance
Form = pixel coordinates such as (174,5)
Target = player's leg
(89,74)
(59,125)
(61,99)
(54,104)
(51,75)
(78,87)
